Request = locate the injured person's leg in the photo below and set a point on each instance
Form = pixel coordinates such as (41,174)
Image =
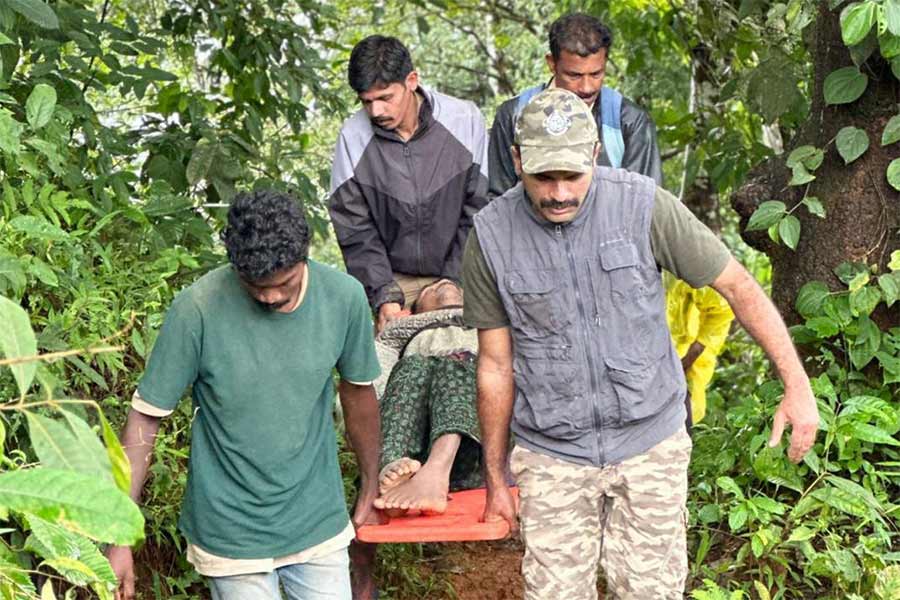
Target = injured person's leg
(426,488)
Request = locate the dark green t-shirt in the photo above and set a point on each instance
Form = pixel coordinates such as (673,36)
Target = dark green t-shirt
(681,244)
(264,479)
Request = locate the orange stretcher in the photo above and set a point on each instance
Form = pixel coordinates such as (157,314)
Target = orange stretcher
(460,523)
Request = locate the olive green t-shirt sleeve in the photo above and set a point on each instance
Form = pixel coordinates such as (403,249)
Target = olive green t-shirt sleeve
(682,244)
(482,306)
(175,359)
(358,362)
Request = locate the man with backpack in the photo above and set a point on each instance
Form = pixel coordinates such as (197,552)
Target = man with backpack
(579,49)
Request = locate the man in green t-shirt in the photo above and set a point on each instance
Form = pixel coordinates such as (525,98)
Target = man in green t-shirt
(257,341)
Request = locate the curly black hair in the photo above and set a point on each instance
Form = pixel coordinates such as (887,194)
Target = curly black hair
(266,233)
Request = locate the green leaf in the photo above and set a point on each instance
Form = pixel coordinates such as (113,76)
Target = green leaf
(873,434)
(802,534)
(811,298)
(16,341)
(4,40)
(895,67)
(889,45)
(892,16)
(737,517)
(890,287)
(864,301)
(893,174)
(35,11)
(845,85)
(841,500)
(43,272)
(891,133)
(852,143)
(79,502)
(807,156)
(36,227)
(859,280)
(767,214)
(866,344)
(71,445)
(728,484)
(824,327)
(121,466)
(10,133)
(814,206)
(848,271)
(52,542)
(789,230)
(201,161)
(856,22)
(11,271)
(800,176)
(894,264)
(40,105)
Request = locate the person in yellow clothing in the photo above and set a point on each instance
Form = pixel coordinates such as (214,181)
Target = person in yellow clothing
(699,320)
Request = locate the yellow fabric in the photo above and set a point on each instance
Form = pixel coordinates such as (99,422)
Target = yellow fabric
(697,315)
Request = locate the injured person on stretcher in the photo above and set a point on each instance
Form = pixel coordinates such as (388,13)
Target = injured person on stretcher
(428,413)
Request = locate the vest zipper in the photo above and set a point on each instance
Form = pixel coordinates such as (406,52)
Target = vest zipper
(595,418)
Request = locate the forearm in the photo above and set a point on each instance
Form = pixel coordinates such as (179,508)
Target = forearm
(495,404)
(138,439)
(758,315)
(363,422)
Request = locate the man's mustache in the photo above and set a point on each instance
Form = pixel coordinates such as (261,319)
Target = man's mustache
(553,204)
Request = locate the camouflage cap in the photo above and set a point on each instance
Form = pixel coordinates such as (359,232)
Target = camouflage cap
(556,131)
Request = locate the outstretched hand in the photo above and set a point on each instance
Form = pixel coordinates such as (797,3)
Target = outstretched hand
(799,409)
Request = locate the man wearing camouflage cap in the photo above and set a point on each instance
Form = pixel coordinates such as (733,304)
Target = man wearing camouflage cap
(562,281)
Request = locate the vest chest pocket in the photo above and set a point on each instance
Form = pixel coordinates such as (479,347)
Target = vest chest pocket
(623,266)
(538,300)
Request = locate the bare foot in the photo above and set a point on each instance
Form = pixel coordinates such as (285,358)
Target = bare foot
(425,491)
(395,473)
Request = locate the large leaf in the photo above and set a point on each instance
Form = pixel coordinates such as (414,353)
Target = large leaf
(890,287)
(892,16)
(811,298)
(893,174)
(35,11)
(37,227)
(789,230)
(845,85)
(82,503)
(201,161)
(814,205)
(10,133)
(40,105)
(807,156)
(856,22)
(891,133)
(17,340)
(851,142)
(68,445)
(767,214)
(52,542)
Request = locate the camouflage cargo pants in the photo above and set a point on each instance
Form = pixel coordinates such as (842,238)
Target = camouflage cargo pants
(630,517)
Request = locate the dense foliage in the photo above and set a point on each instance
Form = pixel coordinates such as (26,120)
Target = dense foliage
(126,127)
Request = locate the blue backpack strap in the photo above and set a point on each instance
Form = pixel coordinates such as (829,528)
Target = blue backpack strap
(524,98)
(610,125)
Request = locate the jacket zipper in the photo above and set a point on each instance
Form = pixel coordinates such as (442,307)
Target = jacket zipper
(418,202)
(595,418)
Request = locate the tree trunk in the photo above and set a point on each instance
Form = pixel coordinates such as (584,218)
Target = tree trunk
(863,210)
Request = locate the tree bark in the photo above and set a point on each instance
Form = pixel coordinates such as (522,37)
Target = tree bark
(863,210)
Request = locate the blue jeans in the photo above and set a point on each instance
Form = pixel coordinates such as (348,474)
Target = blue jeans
(324,578)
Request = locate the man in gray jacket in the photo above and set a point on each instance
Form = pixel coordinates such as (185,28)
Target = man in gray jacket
(562,281)
(579,49)
(410,171)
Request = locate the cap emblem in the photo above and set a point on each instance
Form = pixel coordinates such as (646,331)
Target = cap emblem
(557,123)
